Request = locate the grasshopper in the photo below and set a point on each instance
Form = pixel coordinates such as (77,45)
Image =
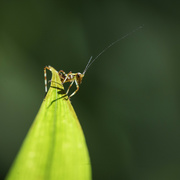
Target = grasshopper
(77,77)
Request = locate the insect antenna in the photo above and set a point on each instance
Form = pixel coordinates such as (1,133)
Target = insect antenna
(87,65)
(106,48)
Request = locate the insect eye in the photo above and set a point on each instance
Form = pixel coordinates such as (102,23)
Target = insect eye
(78,75)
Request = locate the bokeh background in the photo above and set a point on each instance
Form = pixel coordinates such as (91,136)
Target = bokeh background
(128,103)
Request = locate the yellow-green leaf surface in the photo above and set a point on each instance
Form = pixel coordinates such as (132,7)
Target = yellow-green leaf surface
(55,147)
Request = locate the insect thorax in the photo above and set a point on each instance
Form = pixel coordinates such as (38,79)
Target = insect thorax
(71,77)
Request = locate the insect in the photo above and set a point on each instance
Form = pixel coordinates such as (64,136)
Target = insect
(77,77)
(70,77)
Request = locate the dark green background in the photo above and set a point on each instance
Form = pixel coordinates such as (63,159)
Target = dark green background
(128,103)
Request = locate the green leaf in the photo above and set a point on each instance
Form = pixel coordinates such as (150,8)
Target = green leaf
(55,147)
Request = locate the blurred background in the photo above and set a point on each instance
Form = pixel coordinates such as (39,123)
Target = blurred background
(128,103)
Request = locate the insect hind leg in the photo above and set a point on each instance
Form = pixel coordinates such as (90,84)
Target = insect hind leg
(45,77)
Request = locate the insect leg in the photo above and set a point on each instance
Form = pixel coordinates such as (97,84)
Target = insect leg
(67,76)
(65,79)
(69,87)
(61,71)
(45,77)
(77,85)
(64,76)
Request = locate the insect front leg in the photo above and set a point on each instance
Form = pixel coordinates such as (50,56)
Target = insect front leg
(77,85)
(69,87)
